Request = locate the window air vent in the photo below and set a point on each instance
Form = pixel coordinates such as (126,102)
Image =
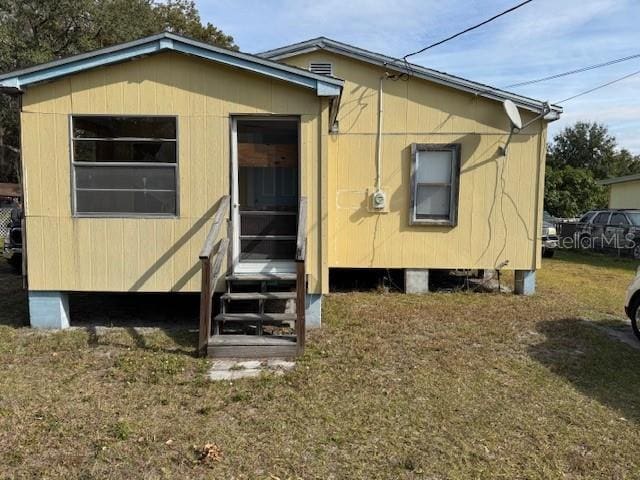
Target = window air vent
(321,68)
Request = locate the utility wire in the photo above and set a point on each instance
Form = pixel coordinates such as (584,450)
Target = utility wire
(577,70)
(598,87)
(468,29)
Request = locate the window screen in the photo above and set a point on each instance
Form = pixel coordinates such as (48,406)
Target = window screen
(434,184)
(124,165)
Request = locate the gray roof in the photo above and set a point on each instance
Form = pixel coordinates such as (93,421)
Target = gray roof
(399,65)
(626,178)
(18,80)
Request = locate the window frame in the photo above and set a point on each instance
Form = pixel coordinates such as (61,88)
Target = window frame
(455,149)
(73,164)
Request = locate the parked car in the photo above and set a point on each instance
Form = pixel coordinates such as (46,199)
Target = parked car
(549,235)
(12,250)
(617,229)
(632,304)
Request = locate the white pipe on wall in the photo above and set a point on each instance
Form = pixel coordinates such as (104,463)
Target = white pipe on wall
(379,137)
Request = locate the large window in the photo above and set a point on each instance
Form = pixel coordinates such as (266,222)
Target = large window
(124,166)
(434,184)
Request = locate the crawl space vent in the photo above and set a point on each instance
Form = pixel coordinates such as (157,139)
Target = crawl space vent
(321,68)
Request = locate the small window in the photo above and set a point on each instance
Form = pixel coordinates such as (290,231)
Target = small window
(124,165)
(434,184)
(619,219)
(602,218)
(321,68)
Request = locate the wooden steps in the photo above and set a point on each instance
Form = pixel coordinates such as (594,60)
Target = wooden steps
(252,346)
(264,318)
(261,277)
(253,300)
(259,296)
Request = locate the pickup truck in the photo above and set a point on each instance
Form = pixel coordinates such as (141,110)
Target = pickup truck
(549,235)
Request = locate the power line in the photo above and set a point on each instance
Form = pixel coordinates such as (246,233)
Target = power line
(468,29)
(577,70)
(599,87)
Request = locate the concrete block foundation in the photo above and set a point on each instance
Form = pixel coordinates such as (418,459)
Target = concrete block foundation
(313,310)
(525,282)
(48,310)
(416,280)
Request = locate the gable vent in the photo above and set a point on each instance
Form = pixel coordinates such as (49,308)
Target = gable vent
(321,68)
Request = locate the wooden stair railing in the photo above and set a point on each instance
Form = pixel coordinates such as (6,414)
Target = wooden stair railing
(301,284)
(211,264)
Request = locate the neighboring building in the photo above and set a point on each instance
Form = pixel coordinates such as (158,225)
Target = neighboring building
(624,192)
(129,151)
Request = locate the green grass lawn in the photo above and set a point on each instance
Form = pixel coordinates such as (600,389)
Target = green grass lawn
(444,386)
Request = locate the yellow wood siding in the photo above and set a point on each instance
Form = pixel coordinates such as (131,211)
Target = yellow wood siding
(500,199)
(133,254)
(624,195)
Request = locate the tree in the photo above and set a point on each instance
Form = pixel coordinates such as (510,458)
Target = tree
(624,163)
(579,156)
(583,145)
(37,31)
(569,191)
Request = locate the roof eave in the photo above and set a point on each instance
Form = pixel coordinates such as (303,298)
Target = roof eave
(616,180)
(416,70)
(19,80)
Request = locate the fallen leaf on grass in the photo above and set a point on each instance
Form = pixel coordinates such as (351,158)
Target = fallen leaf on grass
(210,453)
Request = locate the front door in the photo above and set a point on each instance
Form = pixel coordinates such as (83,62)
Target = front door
(265,187)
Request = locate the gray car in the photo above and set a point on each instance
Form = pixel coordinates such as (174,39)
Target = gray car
(617,229)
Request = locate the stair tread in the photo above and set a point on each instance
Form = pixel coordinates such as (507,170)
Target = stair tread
(255,316)
(259,295)
(258,340)
(256,277)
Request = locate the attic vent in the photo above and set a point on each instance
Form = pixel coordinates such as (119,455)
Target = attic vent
(321,68)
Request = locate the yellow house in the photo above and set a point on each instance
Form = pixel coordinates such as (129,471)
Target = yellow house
(624,192)
(169,165)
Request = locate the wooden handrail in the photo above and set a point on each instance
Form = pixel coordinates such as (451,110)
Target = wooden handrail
(212,236)
(301,238)
(216,265)
(301,284)
(211,265)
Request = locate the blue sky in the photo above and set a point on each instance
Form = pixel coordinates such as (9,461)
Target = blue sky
(540,39)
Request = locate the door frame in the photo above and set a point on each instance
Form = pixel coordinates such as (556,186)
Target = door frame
(271,266)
